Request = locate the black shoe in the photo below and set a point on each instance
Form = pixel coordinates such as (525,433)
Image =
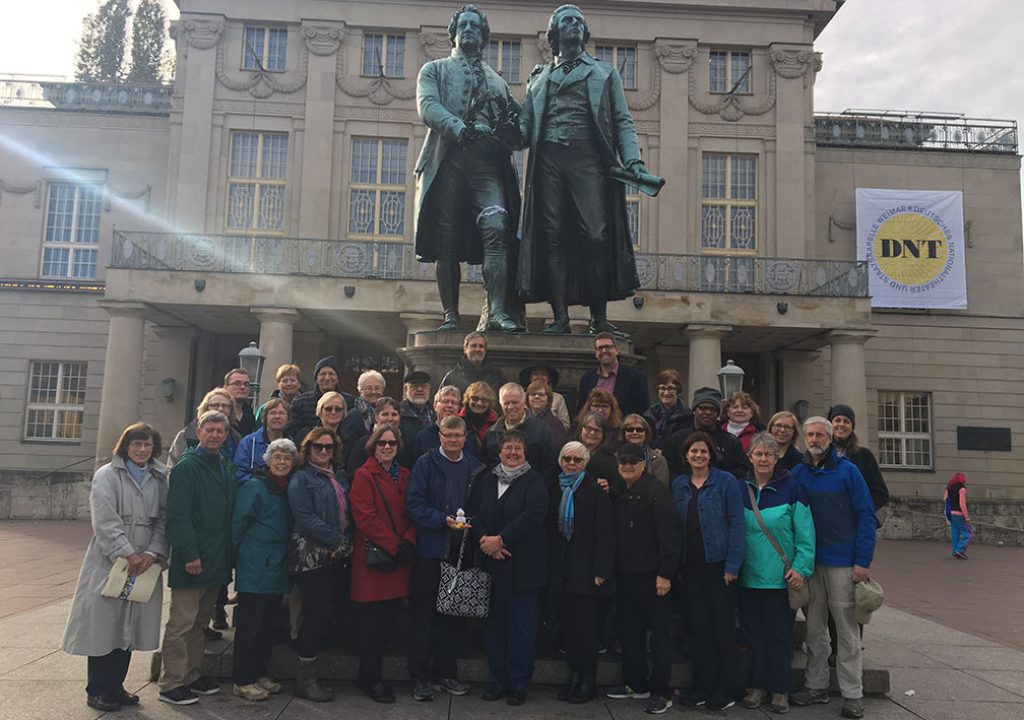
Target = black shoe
(569,689)
(503,323)
(204,686)
(451,322)
(598,325)
(559,326)
(126,698)
(517,697)
(220,619)
(210,634)
(494,693)
(107,702)
(692,698)
(379,692)
(585,692)
(179,696)
(719,703)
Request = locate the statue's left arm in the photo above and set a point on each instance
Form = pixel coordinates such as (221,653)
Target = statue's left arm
(430,108)
(623,129)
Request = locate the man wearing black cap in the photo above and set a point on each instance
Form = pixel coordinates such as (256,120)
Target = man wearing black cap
(326,374)
(648,545)
(415,411)
(707,404)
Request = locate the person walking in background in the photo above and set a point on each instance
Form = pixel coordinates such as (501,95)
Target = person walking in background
(955,501)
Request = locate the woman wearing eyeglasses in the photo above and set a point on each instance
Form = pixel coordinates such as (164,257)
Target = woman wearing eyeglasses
(670,413)
(331,410)
(604,403)
(385,412)
(784,428)
(318,549)
(636,431)
(378,510)
(582,563)
(479,415)
(217,399)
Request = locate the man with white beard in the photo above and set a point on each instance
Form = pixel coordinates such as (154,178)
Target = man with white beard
(415,410)
(844,524)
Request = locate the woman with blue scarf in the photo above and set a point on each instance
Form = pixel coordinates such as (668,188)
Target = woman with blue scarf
(582,558)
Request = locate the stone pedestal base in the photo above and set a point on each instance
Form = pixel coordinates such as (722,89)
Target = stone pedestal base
(572,355)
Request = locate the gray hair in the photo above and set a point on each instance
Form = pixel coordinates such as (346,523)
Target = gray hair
(574,447)
(764,439)
(453,422)
(819,420)
(212,416)
(281,445)
(370,375)
(509,386)
(447,390)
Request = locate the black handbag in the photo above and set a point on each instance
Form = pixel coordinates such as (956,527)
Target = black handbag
(377,557)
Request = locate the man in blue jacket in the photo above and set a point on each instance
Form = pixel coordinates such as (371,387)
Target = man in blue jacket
(439,487)
(627,384)
(844,525)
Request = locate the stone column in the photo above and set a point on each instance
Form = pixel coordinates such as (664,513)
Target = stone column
(849,378)
(705,355)
(276,333)
(797,377)
(173,360)
(122,374)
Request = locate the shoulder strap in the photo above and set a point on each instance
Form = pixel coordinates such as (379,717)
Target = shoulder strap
(764,528)
(387,509)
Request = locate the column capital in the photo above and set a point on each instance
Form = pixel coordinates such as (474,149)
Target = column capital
(272,314)
(118,308)
(850,336)
(708,331)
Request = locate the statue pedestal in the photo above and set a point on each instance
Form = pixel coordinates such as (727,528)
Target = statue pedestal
(572,355)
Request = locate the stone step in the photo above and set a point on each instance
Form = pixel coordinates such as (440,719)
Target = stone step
(342,664)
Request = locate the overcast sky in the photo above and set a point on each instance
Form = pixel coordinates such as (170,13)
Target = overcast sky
(938,55)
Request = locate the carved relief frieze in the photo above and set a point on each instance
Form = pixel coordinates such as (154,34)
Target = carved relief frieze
(648,127)
(730,130)
(379,113)
(323,40)
(791,63)
(202,33)
(674,56)
(379,90)
(145,192)
(261,83)
(23,189)
(436,43)
(248,107)
(731,107)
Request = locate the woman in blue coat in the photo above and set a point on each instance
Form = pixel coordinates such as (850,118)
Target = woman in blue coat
(259,533)
(507,509)
(709,503)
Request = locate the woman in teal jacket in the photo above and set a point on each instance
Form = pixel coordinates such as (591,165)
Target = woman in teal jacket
(259,531)
(766,620)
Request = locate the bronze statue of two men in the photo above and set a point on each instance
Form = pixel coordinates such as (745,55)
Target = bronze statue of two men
(574,247)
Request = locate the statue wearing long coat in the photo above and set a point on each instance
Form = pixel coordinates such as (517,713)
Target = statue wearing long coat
(618,146)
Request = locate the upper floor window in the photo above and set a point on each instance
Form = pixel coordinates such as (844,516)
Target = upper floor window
(623,57)
(505,57)
(376,205)
(383,54)
(72,235)
(730,71)
(904,429)
(265,48)
(257,181)
(56,400)
(728,213)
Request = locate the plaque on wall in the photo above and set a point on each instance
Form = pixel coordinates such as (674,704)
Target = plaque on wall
(983,438)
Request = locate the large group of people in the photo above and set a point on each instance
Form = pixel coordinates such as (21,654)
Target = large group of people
(350,508)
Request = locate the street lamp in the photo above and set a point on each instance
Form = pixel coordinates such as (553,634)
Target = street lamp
(730,379)
(251,360)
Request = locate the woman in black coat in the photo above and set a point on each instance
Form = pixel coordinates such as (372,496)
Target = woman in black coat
(507,508)
(582,561)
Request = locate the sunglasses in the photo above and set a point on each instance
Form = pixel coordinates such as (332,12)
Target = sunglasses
(629,461)
(387,443)
(634,430)
(572,459)
(333,409)
(322,447)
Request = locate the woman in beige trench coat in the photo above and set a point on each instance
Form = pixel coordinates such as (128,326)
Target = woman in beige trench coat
(127,504)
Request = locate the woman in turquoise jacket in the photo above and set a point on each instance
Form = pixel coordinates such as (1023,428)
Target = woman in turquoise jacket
(259,532)
(766,620)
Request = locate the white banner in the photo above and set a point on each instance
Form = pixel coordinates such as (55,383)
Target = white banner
(913,242)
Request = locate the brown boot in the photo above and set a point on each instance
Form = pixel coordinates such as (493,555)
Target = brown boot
(306,685)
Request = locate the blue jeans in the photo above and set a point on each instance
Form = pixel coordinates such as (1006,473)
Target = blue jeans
(960,534)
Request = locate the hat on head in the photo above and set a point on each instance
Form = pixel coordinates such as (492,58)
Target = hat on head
(417,377)
(845,411)
(524,375)
(868,596)
(631,451)
(328,362)
(706,395)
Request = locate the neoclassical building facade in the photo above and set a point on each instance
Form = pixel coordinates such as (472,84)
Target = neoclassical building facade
(150,233)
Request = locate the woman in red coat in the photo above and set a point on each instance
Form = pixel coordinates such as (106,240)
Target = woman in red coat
(383,530)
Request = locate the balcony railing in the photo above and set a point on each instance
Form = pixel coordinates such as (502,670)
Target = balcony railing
(897,130)
(397,261)
(127,97)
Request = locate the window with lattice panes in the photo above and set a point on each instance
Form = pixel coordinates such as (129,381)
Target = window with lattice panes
(623,57)
(505,57)
(633,215)
(378,186)
(905,429)
(257,182)
(383,54)
(56,400)
(71,238)
(264,48)
(729,71)
(728,212)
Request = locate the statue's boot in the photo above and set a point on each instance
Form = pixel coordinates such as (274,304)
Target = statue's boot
(496,282)
(558,293)
(449,278)
(599,322)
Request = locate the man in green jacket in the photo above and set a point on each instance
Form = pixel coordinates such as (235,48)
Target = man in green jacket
(199,506)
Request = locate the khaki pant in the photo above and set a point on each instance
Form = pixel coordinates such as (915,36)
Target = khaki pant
(832,590)
(183,650)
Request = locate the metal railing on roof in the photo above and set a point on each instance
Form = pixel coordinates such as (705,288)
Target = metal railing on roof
(907,130)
